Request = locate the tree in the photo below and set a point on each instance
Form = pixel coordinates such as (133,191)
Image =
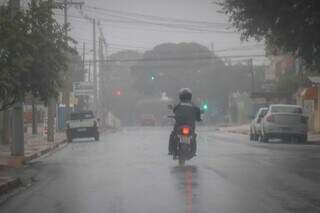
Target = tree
(49,50)
(119,96)
(291,26)
(33,54)
(170,67)
(287,82)
(15,60)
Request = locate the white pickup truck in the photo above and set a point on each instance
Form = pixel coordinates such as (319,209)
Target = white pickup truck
(82,125)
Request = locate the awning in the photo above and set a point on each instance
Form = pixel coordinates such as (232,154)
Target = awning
(309,93)
(315,79)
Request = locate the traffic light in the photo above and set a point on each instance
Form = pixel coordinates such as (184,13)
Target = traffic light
(205,106)
(153,78)
(118,92)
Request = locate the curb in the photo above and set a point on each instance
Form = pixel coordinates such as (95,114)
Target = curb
(20,161)
(8,184)
(44,151)
(238,132)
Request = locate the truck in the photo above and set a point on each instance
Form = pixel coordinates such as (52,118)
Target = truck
(82,124)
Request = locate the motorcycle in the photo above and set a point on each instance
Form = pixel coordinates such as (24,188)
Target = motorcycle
(184,141)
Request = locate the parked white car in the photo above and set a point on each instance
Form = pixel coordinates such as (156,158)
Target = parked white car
(284,121)
(255,127)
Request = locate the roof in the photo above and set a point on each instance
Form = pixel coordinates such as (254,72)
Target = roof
(315,79)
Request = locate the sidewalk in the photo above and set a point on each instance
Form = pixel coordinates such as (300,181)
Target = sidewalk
(35,146)
(237,129)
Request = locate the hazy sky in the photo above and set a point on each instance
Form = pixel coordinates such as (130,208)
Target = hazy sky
(121,29)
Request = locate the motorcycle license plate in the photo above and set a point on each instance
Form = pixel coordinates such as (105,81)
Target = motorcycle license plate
(185,140)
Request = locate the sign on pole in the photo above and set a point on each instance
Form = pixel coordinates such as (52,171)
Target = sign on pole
(83,89)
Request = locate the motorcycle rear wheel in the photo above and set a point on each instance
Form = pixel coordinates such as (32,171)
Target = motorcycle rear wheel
(181,162)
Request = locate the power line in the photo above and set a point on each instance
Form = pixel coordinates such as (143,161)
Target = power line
(135,47)
(125,14)
(89,43)
(238,48)
(180,58)
(241,48)
(184,28)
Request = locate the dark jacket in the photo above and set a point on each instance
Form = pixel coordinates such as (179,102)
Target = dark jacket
(187,113)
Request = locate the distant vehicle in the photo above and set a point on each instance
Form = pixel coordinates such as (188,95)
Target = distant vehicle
(148,120)
(284,122)
(82,125)
(165,121)
(255,127)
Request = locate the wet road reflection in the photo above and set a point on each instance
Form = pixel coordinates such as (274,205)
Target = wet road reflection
(130,172)
(187,178)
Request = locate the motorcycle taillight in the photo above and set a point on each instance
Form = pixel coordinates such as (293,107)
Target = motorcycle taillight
(186,131)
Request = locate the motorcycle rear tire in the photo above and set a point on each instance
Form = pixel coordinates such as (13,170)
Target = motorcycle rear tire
(182,154)
(181,162)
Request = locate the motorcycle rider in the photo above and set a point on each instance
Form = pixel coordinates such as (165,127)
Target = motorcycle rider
(186,113)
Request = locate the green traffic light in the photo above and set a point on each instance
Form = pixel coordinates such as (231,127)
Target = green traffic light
(153,78)
(205,107)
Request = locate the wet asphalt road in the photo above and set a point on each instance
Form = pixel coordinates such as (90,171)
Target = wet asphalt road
(130,172)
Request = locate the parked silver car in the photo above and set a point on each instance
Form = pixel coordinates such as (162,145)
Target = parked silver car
(284,121)
(255,127)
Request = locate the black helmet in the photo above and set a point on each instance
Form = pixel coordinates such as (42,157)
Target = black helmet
(185,94)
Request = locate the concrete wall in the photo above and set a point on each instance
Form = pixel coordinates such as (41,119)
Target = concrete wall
(312,110)
(240,106)
(112,121)
(317,113)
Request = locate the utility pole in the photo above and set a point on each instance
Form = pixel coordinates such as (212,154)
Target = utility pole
(212,47)
(67,83)
(17,148)
(6,127)
(34,116)
(250,64)
(94,61)
(300,72)
(101,71)
(89,72)
(95,95)
(83,56)
(51,115)
(66,92)
(52,102)
(102,74)
(67,76)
